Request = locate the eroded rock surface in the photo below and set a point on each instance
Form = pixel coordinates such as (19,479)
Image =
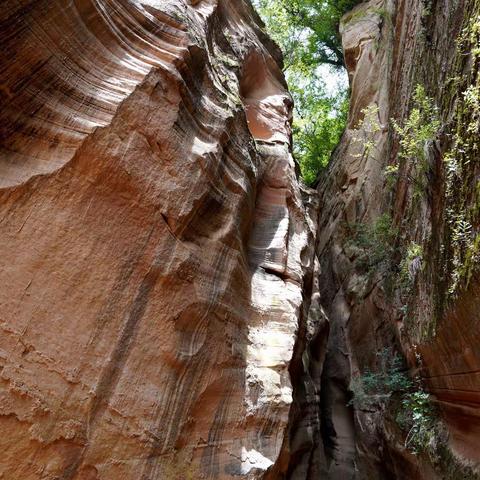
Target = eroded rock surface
(156,246)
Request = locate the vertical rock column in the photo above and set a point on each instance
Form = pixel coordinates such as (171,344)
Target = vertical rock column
(352,193)
(281,256)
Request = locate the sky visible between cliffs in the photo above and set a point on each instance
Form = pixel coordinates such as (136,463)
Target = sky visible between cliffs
(307,32)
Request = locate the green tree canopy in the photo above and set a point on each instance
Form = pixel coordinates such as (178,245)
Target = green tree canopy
(307,32)
(307,29)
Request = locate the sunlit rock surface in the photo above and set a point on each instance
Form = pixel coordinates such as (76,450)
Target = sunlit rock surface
(157,253)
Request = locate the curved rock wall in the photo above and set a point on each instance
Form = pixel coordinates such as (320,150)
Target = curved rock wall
(156,245)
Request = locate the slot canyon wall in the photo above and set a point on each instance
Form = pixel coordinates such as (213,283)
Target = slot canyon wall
(175,304)
(157,251)
(415,64)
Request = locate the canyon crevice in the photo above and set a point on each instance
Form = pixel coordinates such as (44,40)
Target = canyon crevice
(175,303)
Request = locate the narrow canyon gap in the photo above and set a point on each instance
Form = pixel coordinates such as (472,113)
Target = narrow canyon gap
(175,303)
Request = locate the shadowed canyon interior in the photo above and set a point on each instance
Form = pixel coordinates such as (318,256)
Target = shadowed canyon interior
(175,303)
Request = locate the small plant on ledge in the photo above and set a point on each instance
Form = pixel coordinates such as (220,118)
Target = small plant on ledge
(410,265)
(415,414)
(391,376)
(417,417)
(414,133)
(374,245)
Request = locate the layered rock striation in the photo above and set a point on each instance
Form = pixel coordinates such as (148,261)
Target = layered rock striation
(156,244)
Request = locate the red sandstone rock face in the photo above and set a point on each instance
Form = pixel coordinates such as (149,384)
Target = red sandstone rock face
(452,363)
(155,245)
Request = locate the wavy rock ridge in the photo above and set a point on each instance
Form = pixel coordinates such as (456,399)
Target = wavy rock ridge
(155,243)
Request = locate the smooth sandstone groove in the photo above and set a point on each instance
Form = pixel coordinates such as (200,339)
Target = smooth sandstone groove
(156,245)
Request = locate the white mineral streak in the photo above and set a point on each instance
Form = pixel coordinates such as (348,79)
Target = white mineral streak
(253,459)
